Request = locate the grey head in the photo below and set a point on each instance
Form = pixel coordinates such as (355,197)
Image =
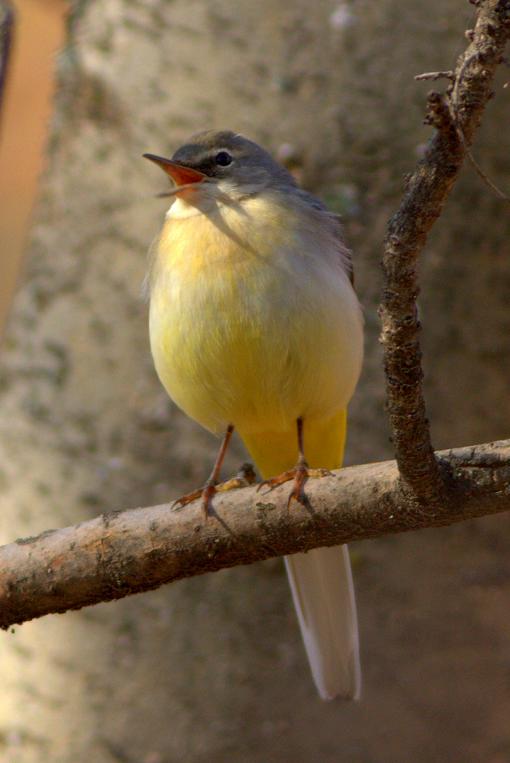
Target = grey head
(233,161)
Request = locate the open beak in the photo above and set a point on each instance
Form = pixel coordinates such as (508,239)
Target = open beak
(180,174)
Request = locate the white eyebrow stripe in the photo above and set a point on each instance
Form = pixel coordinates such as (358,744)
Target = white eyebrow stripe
(214,151)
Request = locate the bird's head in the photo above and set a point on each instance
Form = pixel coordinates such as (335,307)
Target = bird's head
(224,161)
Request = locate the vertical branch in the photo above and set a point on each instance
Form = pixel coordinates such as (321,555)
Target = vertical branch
(455,115)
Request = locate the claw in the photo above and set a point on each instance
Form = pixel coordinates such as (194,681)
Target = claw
(206,493)
(300,474)
(298,488)
(185,499)
(280,479)
(244,477)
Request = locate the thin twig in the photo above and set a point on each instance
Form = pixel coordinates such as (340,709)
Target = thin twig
(453,105)
(486,179)
(435,75)
(131,551)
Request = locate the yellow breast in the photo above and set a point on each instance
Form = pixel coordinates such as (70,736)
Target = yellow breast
(251,321)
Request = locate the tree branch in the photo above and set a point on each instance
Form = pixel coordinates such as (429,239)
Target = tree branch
(455,117)
(130,551)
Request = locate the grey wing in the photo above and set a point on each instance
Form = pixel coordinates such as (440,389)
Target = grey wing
(335,222)
(344,250)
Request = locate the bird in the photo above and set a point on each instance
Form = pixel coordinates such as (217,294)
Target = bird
(255,326)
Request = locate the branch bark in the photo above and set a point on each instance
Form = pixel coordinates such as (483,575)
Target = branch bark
(455,115)
(130,551)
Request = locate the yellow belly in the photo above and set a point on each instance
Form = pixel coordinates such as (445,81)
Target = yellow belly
(250,327)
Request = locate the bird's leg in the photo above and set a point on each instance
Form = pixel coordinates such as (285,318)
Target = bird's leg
(299,474)
(245,476)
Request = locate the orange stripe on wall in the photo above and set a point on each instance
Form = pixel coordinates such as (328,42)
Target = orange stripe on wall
(39,32)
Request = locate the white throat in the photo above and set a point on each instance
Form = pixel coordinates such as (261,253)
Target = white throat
(179,209)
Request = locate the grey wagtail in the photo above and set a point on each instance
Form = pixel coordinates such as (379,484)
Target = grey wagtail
(255,325)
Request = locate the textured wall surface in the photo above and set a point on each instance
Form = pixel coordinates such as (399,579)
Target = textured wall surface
(212,669)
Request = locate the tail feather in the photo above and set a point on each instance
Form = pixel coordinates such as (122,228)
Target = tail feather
(320,580)
(323,593)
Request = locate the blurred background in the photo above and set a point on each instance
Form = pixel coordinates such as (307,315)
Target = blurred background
(212,668)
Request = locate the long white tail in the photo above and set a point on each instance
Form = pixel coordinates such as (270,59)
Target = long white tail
(323,593)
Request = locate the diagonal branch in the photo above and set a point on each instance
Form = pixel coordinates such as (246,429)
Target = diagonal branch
(130,551)
(455,116)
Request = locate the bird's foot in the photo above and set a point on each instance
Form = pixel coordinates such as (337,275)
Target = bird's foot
(205,493)
(244,477)
(299,474)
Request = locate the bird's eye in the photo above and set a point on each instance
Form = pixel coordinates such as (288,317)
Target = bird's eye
(223,158)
